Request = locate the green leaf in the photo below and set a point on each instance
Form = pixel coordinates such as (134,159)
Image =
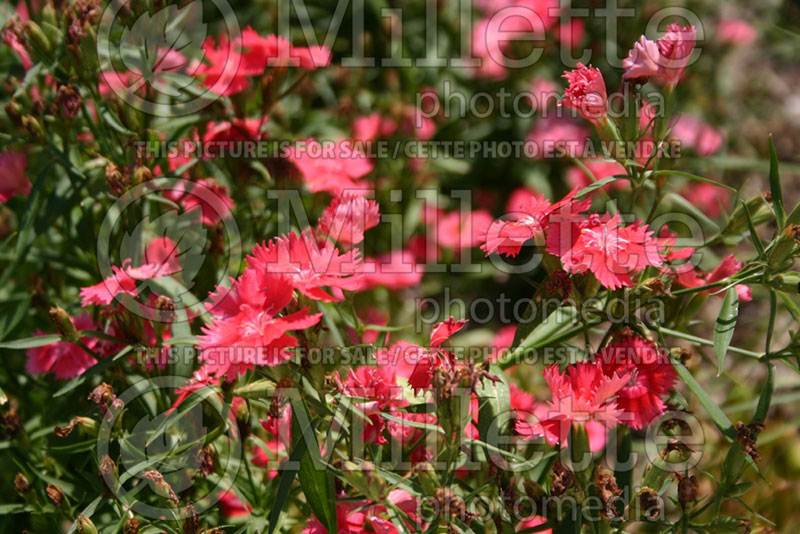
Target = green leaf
(690,176)
(717,415)
(494,403)
(775,186)
(31,342)
(726,324)
(765,400)
(315,480)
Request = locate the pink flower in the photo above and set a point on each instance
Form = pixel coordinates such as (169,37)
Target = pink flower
(64,359)
(330,168)
(229,65)
(506,21)
(687,276)
(601,169)
(543,93)
(601,245)
(231,506)
(395,270)
(10,38)
(527,221)
(369,127)
(651,376)
(12,175)
(436,356)
(245,330)
(308,265)
(571,33)
(586,92)
(228,133)
(362,517)
(553,135)
(377,390)
(535,521)
(123,281)
(665,59)
(208,197)
(457,231)
(736,31)
(709,198)
(583,394)
(695,133)
(347,218)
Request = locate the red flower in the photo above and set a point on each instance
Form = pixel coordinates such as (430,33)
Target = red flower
(583,394)
(651,376)
(64,359)
(309,265)
(394,270)
(331,168)
(347,218)
(245,330)
(586,92)
(377,386)
(161,259)
(12,176)
(687,276)
(208,197)
(601,245)
(457,230)
(435,357)
(527,221)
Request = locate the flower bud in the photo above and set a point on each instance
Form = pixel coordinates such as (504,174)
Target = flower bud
(35,35)
(84,525)
(141,175)
(21,483)
(784,246)
(64,323)
(687,489)
(161,486)
(32,125)
(427,477)
(14,111)
(55,494)
(69,101)
(788,282)
(116,180)
(131,526)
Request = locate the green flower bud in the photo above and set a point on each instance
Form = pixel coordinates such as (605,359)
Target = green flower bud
(84,525)
(64,323)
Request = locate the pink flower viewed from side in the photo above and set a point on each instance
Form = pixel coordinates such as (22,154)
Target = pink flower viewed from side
(582,394)
(612,252)
(347,218)
(12,175)
(309,264)
(331,168)
(651,377)
(664,59)
(245,330)
(736,32)
(686,275)
(586,92)
(527,221)
(64,359)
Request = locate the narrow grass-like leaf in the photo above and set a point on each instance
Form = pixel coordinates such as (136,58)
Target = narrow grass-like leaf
(775,185)
(717,415)
(726,324)
(31,342)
